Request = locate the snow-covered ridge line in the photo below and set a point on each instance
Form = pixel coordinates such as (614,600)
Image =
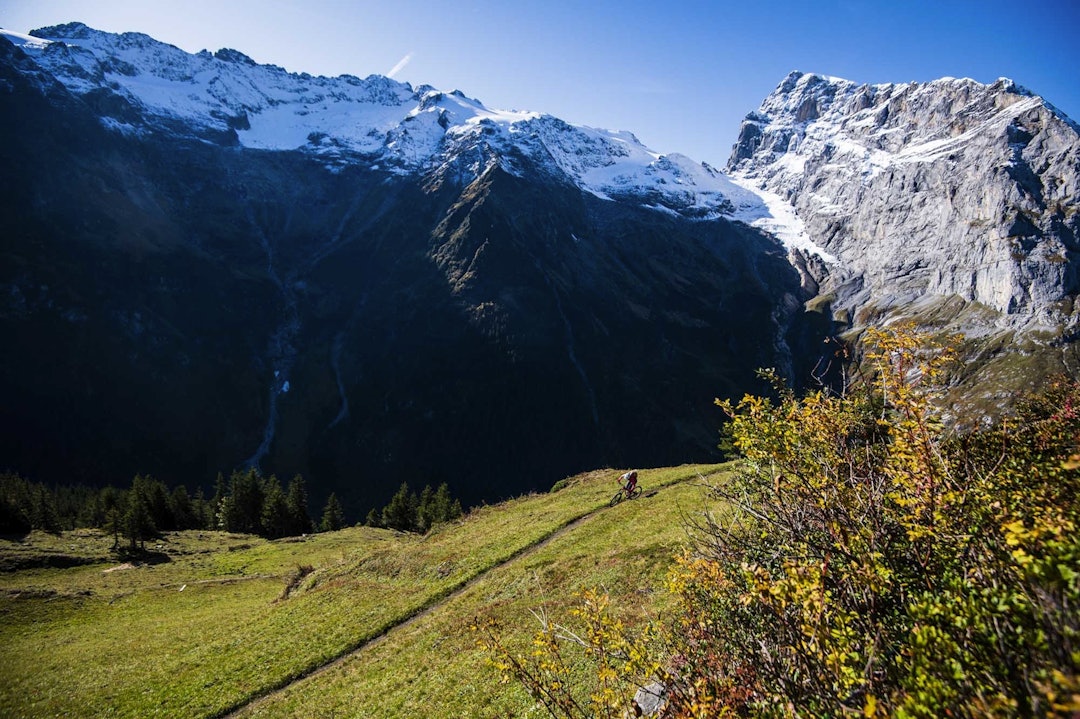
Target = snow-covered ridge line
(813,123)
(810,114)
(376,120)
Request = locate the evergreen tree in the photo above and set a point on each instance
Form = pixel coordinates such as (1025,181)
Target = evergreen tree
(426,512)
(275,510)
(45,516)
(138,523)
(111,504)
(183,512)
(243,509)
(402,512)
(157,498)
(333,517)
(374,518)
(202,511)
(446,508)
(114,524)
(297,501)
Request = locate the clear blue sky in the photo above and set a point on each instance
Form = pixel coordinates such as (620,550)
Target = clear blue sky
(679,74)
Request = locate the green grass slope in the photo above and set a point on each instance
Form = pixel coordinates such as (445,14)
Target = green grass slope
(378,627)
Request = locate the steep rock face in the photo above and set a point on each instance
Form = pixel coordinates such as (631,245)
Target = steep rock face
(948,188)
(180,303)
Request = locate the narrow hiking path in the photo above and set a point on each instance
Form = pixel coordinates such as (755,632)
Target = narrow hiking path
(269,693)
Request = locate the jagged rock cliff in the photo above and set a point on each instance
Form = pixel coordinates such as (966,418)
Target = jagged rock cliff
(951,202)
(948,188)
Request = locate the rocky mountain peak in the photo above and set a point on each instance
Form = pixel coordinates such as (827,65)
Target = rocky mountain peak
(950,187)
(72,30)
(229,55)
(325,274)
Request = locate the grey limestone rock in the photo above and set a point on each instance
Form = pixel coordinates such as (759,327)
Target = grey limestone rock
(948,188)
(649,700)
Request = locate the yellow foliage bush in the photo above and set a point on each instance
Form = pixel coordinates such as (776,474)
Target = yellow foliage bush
(866,562)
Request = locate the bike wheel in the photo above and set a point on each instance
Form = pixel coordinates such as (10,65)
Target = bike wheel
(616,499)
(636,493)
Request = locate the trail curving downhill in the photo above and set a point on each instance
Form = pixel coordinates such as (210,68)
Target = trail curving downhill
(245,708)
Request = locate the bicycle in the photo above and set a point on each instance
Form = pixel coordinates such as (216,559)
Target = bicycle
(625,493)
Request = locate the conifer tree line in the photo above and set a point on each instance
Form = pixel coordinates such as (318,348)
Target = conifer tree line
(245,502)
(409,512)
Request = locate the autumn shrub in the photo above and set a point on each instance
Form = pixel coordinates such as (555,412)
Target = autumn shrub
(549,672)
(865,562)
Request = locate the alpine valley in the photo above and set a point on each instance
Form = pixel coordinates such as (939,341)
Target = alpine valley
(209,263)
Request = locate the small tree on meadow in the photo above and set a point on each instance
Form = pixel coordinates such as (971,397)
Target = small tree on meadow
(138,522)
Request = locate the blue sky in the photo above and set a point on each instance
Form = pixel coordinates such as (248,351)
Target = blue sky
(680,75)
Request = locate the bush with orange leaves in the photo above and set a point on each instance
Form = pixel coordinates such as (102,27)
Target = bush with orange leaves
(866,562)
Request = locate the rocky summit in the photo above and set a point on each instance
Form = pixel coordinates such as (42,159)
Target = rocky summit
(211,263)
(952,202)
(947,188)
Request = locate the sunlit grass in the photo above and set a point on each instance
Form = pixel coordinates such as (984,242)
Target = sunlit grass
(209,630)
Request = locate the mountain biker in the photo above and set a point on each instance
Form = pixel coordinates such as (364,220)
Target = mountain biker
(629,480)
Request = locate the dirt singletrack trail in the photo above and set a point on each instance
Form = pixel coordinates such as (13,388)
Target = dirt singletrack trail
(431,607)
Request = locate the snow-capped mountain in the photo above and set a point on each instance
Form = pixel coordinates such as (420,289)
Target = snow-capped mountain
(226,96)
(950,188)
(210,262)
(213,263)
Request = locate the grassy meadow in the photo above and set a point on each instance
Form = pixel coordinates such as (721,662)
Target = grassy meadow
(229,619)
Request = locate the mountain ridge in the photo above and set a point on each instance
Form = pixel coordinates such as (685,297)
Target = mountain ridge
(228,98)
(203,306)
(838,150)
(440,281)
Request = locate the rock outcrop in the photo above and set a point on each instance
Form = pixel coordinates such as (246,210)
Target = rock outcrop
(952,203)
(946,189)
